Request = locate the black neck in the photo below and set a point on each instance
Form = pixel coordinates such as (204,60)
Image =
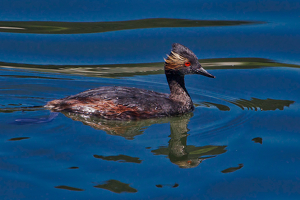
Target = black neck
(177,88)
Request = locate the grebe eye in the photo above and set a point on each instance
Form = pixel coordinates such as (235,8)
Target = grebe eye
(187,64)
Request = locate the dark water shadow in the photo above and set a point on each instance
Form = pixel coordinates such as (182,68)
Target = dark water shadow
(175,185)
(262,104)
(232,169)
(116,187)
(111,185)
(134,69)
(65,187)
(50,27)
(74,167)
(252,104)
(19,138)
(120,158)
(257,140)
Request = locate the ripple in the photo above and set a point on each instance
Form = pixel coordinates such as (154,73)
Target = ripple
(138,69)
(234,111)
(50,27)
(22,109)
(33,77)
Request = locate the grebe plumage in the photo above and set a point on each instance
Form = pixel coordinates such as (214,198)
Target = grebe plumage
(125,103)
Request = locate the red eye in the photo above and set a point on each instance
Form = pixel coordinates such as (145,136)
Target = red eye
(187,64)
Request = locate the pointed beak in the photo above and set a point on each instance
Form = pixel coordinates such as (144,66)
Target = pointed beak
(204,72)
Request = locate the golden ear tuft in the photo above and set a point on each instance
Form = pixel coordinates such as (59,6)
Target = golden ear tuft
(175,58)
(175,61)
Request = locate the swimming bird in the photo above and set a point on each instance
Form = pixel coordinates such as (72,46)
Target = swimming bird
(126,103)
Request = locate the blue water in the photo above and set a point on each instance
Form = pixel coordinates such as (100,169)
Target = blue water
(241,142)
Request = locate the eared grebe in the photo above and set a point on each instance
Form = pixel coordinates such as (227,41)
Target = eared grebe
(124,103)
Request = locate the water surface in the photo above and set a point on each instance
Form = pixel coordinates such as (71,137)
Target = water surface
(241,142)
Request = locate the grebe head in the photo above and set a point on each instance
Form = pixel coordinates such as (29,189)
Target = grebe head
(183,61)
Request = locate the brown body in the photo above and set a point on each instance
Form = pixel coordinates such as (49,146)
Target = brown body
(116,103)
